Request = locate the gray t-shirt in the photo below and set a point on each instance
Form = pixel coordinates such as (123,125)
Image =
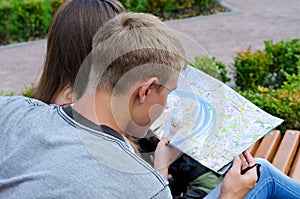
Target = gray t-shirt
(45,153)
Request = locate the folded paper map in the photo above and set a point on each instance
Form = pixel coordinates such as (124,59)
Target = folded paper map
(209,121)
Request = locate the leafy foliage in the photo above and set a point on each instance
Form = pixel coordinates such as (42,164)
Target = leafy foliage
(212,67)
(269,67)
(252,69)
(157,6)
(27,92)
(23,20)
(285,57)
(283,102)
(271,79)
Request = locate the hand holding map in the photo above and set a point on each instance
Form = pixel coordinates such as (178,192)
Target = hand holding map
(209,121)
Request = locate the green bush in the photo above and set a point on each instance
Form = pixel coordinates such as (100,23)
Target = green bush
(269,67)
(205,5)
(27,92)
(285,60)
(23,20)
(54,5)
(162,8)
(5,14)
(27,20)
(156,6)
(252,69)
(212,67)
(283,102)
(6,94)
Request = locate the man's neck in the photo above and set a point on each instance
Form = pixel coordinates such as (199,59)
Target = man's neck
(98,109)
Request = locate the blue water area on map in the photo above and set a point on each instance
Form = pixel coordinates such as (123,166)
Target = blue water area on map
(205,120)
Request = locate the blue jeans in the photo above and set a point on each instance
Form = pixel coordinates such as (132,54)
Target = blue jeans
(272,184)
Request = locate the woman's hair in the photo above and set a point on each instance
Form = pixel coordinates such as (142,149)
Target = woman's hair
(69,43)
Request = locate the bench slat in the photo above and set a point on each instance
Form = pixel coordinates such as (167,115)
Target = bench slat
(269,145)
(286,151)
(295,171)
(252,149)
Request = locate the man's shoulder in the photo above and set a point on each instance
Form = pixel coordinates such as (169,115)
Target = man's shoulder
(16,101)
(21,104)
(26,111)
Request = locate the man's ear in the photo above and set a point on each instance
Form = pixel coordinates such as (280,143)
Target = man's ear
(65,96)
(145,90)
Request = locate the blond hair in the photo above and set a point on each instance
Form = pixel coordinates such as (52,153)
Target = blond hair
(134,40)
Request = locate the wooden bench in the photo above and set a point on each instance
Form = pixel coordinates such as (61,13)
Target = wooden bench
(282,150)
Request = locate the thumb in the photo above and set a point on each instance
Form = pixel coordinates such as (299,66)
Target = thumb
(237,164)
(164,140)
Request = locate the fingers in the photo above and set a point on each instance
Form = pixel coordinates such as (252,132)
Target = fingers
(253,171)
(235,184)
(237,164)
(244,162)
(163,142)
(165,154)
(165,137)
(249,158)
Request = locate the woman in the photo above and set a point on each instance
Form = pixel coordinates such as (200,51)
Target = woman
(69,42)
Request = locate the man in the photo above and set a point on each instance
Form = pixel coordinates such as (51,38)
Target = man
(85,150)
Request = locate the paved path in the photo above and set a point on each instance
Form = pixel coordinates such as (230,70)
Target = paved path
(250,23)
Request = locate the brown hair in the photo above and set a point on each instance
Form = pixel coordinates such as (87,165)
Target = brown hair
(134,42)
(70,41)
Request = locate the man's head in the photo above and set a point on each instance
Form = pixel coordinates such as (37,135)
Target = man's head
(138,60)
